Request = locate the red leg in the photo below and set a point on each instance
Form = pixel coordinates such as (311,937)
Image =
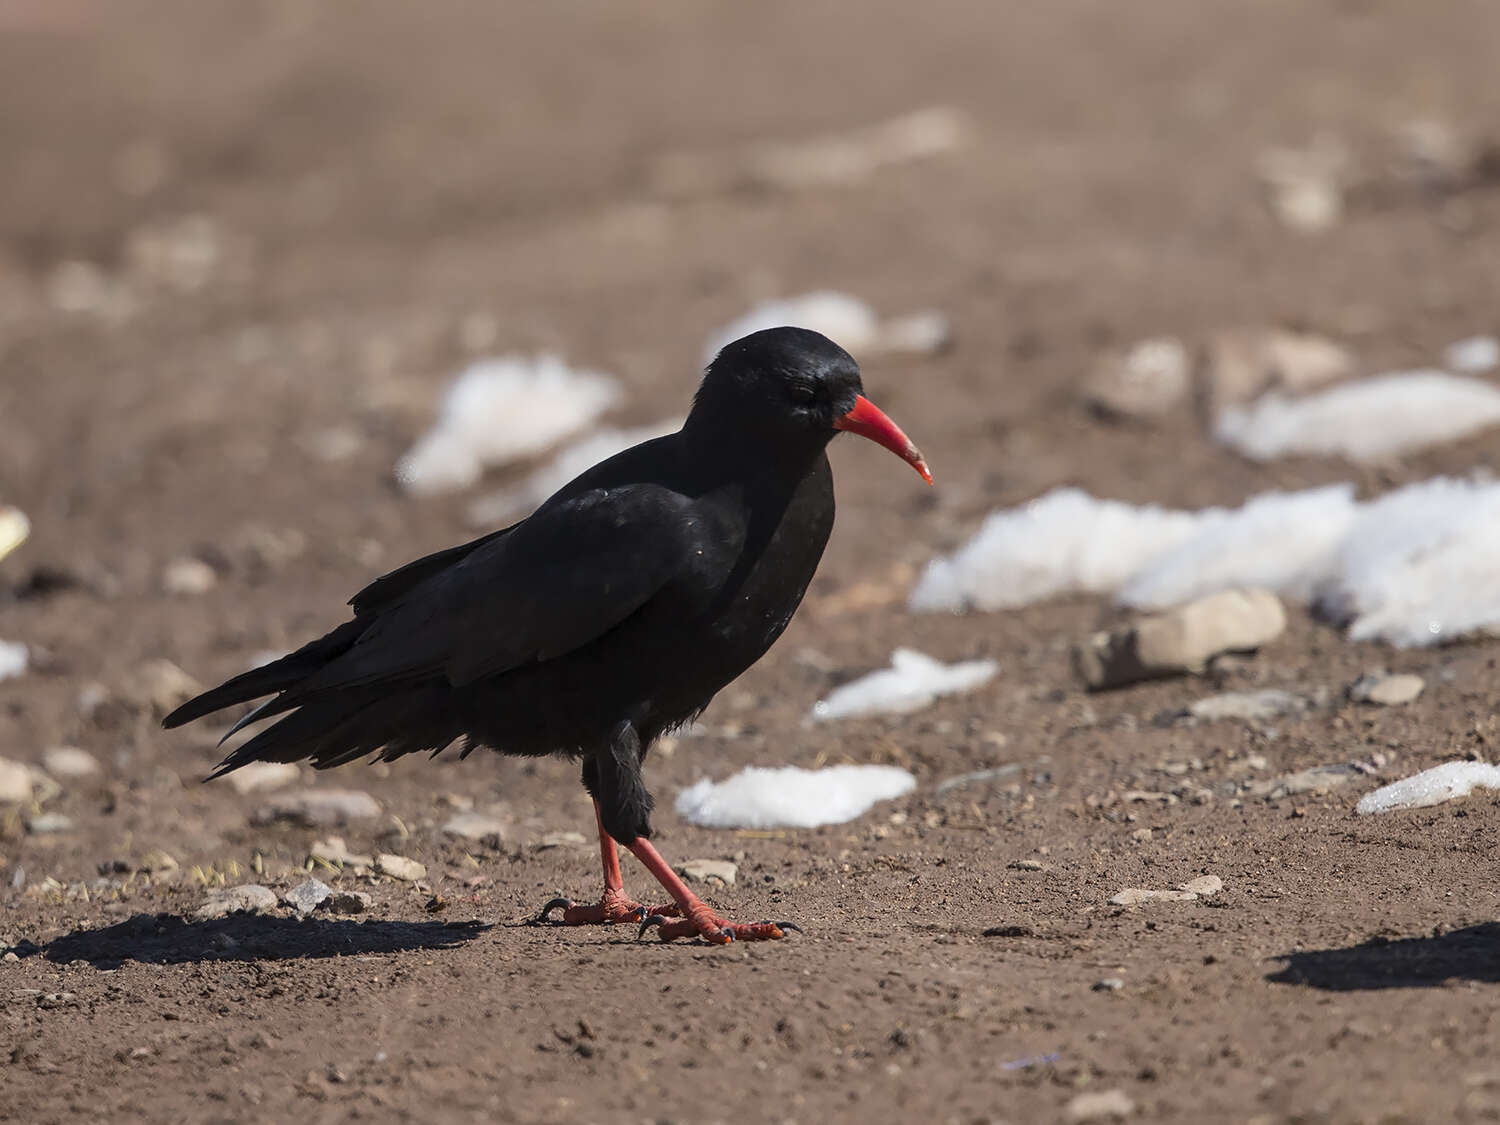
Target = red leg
(614,905)
(697,919)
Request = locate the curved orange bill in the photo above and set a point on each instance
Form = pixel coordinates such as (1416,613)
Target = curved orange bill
(868,420)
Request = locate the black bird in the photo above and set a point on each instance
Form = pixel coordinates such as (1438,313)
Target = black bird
(612,614)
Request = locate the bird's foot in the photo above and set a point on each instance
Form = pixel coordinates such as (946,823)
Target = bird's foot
(699,921)
(613,907)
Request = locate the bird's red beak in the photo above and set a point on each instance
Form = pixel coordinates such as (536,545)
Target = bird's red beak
(868,420)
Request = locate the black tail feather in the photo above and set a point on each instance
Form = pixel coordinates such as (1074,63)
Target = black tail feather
(269,679)
(333,730)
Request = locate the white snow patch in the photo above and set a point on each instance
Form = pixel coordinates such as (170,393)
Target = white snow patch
(912,682)
(789,797)
(568,463)
(1417,566)
(1367,420)
(14,659)
(1431,787)
(501,410)
(1062,542)
(844,319)
(1278,541)
(1473,356)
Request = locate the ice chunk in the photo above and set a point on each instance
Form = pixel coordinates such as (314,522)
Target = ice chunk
(583,454)
(14,659)
(501,410)
(1365,421)
(911,682)
(845,320)
(1431,787)
(789,797)
(1066,541)
(1473,356)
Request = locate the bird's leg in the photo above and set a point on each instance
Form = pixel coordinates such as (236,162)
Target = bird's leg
(614,905)
(697,919)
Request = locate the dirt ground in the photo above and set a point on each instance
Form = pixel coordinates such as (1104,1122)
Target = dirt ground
(243,247)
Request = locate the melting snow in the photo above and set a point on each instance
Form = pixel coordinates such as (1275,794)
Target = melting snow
(1431,787)
(1416,566)
(789,797)
(1473,356)
(14,658)
(1364,421)
(846,320)
(911,682)
(1064,541)
(501,410)
(567,464)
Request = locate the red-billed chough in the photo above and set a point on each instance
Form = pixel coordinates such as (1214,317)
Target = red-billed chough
(610,615)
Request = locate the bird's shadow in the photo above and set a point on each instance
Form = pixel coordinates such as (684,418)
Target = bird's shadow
(1472,953)
(165,939)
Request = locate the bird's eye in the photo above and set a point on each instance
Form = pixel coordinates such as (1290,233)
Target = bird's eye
(802,394)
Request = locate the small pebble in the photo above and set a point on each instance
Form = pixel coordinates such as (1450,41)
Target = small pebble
(46,823)
(1096,1105)
(399,867)
(334,851)
(262,777)
(560,840)
(1108,984)
(69,762)
(476,826)
(1386,690)
(319,808)
(348,902)
(306,897)
(711,871)
(188,576)
(248,898)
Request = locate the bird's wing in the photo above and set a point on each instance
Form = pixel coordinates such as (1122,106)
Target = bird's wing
(391,588)
(571,572)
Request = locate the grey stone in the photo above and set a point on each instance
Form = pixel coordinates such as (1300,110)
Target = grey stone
(479,827)
(399,867)
(188,576)
(1318,779)
(1136,896)
(261,777)
(248,898)
(1108,984)
(306,897)
(319,808)
(46,823)
(17,782)
(1096,1105)
(333,850)
(560,840)
(348,902)
(1145,381)
(1182,640)
(1249,706)
(69,762)
(1204,886)
(709,871)
(162,686)
(1386,690)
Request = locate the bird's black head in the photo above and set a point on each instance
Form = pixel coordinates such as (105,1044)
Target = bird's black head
(794,389)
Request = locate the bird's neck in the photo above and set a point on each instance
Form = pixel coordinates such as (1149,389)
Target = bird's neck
(773,460)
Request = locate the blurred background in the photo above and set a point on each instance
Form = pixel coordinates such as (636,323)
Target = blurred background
(246,248)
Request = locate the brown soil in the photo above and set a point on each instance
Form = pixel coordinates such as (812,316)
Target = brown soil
(381,175)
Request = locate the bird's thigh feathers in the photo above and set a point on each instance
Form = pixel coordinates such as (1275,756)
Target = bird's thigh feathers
(612,775)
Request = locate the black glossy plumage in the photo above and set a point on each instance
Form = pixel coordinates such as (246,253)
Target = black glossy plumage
(612,614)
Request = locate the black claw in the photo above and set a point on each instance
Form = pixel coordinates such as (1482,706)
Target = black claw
(555,904)
(783,925)
(647,923)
